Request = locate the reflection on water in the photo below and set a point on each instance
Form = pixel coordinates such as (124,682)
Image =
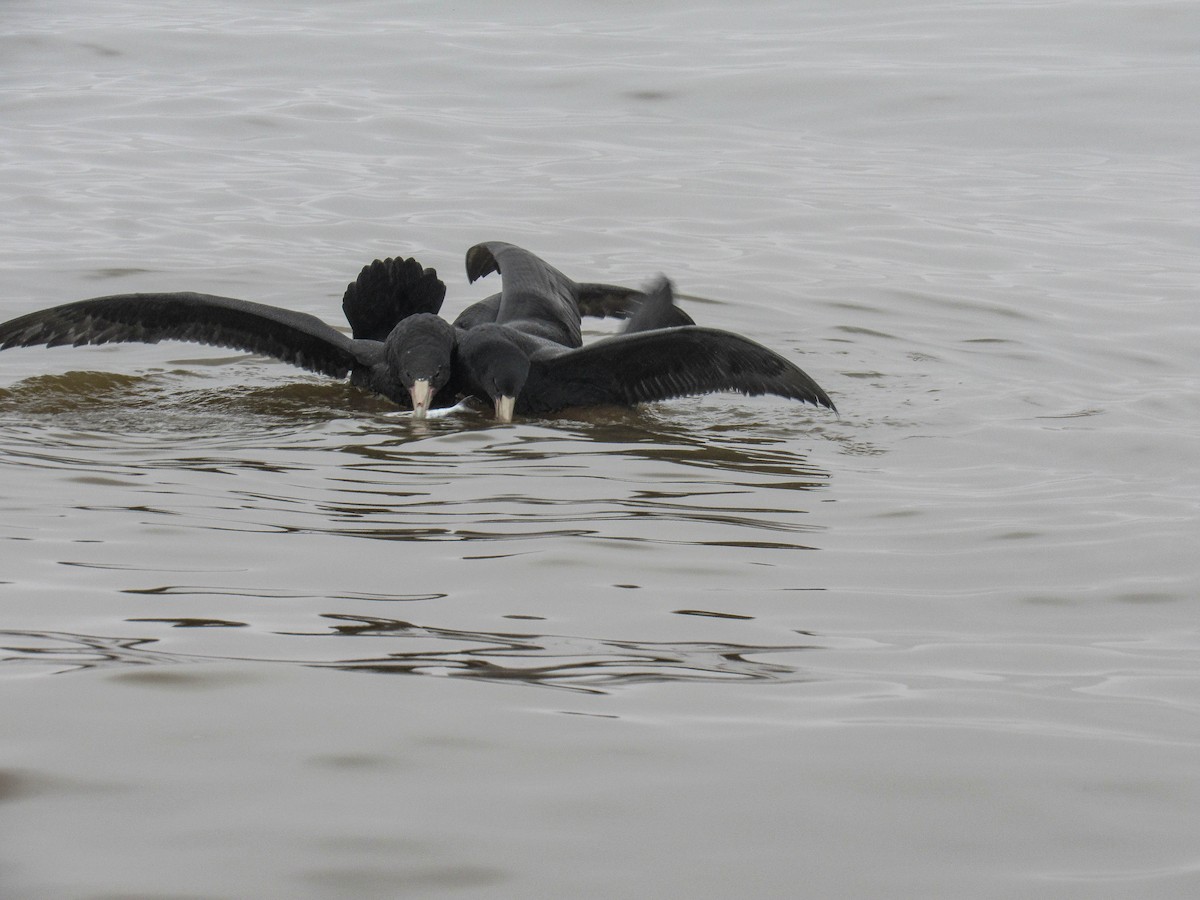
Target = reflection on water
(61,652)
(579,663)
(560,660)
(696,472)
(728,433)
(168,400)
(971,217)
(152,457)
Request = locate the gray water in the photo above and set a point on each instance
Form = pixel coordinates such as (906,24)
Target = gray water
(943,645)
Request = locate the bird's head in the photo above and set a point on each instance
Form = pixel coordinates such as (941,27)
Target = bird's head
(495,366)
(419,351)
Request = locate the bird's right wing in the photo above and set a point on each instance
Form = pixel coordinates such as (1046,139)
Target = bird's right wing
(661,364)
(293,337)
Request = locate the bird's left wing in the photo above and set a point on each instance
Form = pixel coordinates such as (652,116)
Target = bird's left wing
(535,297)
(293,337)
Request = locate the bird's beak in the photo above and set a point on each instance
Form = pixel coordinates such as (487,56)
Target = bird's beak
(504,408)
(422,393)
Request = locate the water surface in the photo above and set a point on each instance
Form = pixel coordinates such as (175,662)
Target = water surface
(943,645)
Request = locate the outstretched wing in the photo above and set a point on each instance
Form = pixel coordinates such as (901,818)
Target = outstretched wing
(535,297)
(296,338)
(659,365)
(387,291)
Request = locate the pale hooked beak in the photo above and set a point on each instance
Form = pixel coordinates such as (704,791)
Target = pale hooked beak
(422,393)
(504,408)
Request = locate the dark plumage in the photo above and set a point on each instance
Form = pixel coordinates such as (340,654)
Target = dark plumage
(535,298)
(538,309)
(520,349)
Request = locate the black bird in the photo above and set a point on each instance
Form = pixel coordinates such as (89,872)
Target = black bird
(539,308)
(528,360)
(396,291)
(400,347)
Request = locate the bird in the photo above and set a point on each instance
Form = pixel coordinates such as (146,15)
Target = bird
(520,349)
(399,346)
(400,295)
(539,307)
(293,337)
(529,360)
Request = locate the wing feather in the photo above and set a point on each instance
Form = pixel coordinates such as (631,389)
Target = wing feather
(662,364)
(535,297)
(293,337)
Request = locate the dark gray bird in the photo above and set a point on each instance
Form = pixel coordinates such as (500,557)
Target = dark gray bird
(539,308)
(530,359)
(407,362)
(393,292)
(293,337)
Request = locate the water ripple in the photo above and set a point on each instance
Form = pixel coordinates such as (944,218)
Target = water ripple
(565,661)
